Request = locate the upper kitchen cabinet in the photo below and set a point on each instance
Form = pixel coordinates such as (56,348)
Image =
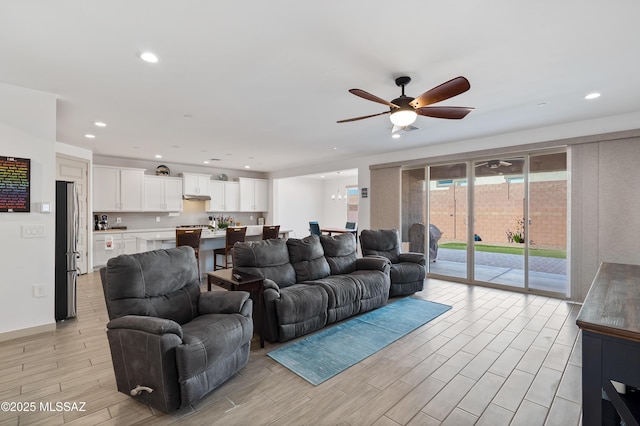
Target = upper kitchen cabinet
(162,194)
(224,196)
(254,195)
(195,185)
(117,189)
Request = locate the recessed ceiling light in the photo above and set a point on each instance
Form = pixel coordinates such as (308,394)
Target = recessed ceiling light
(335,147)
(395,136)
(206,162)
(158,156)
(247,167)
(322,176)
(593,95)
(89,136)
(149,57)
(100,124)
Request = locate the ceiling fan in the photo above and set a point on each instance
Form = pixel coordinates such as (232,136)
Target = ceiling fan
(493,164)
(405,109)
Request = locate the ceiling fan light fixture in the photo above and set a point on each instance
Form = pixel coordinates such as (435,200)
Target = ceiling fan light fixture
(403,117)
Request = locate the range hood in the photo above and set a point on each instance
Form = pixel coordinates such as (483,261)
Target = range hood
(196,197)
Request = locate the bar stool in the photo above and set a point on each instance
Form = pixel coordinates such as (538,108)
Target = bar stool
(190,237)
(234,235)
(269,232)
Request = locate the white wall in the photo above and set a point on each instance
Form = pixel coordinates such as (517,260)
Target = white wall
(296,202)
(27,129)
(334,212)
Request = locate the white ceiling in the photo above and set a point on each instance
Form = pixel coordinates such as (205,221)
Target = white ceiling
(262,83)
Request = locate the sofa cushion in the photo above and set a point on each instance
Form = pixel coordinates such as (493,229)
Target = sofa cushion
(307,257)
(208,339)
(301,309)
(405,272)
(343,296)
(381,242)
(340,252)
(374,287)
(159,283)
(267,259)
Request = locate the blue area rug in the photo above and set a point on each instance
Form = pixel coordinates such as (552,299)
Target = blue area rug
(323,355)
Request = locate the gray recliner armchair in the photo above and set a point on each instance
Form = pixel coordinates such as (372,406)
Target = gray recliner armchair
(407,269)
(170,343)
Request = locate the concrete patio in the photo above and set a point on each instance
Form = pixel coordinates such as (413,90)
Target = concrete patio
(545,273)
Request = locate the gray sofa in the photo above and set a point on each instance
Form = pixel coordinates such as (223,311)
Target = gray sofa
(312,282)
(407,269)
(171,344)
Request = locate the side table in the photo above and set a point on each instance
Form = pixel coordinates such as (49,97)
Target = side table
(250,283)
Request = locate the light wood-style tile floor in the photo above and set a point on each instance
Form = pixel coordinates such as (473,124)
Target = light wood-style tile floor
(496,358)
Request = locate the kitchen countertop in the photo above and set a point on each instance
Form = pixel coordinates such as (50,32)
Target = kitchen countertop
(170,235)
(129,231)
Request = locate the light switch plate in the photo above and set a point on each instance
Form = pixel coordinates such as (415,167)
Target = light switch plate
(39,290)
(33,231)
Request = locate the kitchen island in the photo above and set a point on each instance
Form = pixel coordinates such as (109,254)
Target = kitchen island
(111,243)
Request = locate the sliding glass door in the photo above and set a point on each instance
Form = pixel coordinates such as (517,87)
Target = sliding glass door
(517,206)
(548,222)
(499,212)
(448,219)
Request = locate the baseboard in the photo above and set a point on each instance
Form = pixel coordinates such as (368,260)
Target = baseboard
(16,334)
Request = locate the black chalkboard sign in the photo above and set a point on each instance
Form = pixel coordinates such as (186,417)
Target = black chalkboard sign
(15,184)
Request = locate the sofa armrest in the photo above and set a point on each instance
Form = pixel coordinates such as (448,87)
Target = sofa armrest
(225,302)
(271,285)
(270,295)
(373,263)
(152,325)
(413,257)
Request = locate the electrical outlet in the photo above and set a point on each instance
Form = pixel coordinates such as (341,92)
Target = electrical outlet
(39,290)
(251,217)
(118,220)
(157,218)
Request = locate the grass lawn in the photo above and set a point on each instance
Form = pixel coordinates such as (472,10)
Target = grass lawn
(558,254)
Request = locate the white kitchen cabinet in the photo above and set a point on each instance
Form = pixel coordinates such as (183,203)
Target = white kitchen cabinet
(254,195)
(117,189)
(128,245)
(195,184)
(224,196)
(162,194)
(173,194)
(106,246)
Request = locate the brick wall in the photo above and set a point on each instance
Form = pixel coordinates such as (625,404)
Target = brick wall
(498,207)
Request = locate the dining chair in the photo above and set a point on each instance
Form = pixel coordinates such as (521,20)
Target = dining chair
(270,231)
(353,227)
(234,235)
(314,228)
(190,237)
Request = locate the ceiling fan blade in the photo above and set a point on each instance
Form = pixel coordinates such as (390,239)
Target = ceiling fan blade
(482,164)
(453,113)
(361,118)
(368,96)
(505,163)
(446,90)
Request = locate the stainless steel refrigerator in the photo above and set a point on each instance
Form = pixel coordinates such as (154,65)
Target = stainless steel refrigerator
(66,273)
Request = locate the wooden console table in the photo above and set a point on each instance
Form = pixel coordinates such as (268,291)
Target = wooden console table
(610,324)
(250,283)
